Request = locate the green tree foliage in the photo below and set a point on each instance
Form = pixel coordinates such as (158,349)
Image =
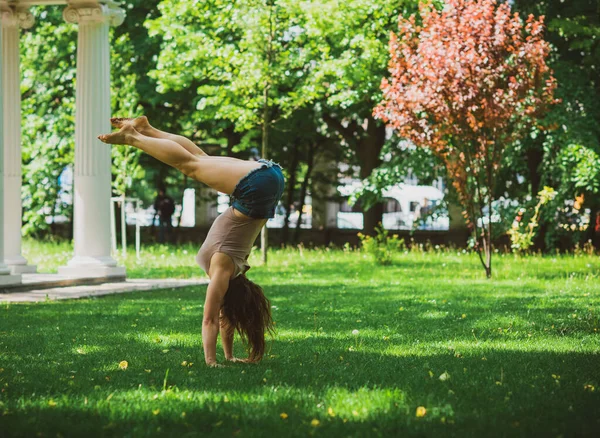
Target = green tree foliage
(571,131)
(48,70)
(350,44)
(220,50)
(125,102)
(325,53)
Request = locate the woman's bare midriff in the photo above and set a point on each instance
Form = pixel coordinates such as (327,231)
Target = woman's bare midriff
(241,215)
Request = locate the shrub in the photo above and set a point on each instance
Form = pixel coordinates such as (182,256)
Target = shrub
(522,239)
(382,245)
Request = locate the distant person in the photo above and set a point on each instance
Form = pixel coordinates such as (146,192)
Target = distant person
(164,206)
(233,303)
(416,214)
(425,208)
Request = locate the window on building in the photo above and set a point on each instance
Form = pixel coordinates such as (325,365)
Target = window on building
(347,208)
(391,205)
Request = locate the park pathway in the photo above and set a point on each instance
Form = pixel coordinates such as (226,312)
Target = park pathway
(95,290)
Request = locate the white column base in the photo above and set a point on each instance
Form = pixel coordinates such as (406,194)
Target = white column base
(18,265)
(21,269)
(9,280)
(92,267)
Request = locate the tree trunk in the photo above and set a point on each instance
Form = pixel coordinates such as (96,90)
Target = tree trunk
(264,237)
(310,163)
(233,139)
(290,193)
(369,150)
(185,182)
(535,156)
(591,234)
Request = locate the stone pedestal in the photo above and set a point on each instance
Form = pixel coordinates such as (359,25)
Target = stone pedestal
(206,206)
(456,217)
(12,21)
(6,278)
(92,176)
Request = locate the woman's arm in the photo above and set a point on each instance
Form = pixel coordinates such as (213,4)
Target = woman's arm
(221,268)
(227,333)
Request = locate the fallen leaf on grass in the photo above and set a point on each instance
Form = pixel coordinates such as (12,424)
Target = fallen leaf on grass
(123,365)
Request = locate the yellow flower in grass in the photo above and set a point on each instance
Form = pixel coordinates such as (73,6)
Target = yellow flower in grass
(421,411)
(123,365)
(315,422)
(283,415)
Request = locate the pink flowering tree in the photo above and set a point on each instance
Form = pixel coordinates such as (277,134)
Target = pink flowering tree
(466,82)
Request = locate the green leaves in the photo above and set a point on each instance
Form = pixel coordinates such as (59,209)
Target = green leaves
(48,112)
(580,166)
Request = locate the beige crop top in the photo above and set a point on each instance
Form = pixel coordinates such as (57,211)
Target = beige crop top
(231,235)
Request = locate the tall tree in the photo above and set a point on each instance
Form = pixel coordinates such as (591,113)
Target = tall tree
(244,59)
(465,82)
(349,40)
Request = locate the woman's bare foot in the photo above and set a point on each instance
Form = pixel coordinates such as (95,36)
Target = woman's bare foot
(236,359)
(141,124)
(124,136)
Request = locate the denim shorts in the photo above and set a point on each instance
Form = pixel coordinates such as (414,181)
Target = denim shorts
(257,194)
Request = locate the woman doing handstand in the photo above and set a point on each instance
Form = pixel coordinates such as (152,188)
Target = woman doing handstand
(232,301)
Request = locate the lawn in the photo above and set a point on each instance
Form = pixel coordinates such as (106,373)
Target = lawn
(424,347)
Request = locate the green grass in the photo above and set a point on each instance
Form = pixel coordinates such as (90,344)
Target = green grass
(520,353)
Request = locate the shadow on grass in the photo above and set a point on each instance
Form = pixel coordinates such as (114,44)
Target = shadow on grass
(510,393)
(61,365)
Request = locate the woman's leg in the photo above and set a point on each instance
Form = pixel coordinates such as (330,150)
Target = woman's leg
(143,126)
(220,173)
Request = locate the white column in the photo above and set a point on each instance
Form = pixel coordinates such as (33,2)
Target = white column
(6,278)
(92,179)
(12,139)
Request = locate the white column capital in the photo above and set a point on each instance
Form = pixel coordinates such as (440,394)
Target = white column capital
(14,16)
(100,11)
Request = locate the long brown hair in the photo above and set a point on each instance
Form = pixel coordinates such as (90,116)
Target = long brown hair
(247,310)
